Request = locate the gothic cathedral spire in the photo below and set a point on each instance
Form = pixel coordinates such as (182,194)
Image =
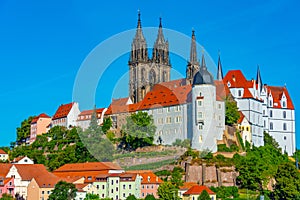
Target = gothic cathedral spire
(193,64)
(139,52)
(258,80)
(220,71)
(160,53)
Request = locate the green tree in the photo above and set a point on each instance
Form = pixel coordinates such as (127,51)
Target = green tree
(269,140)
(23,131)
(167,191)
(138,131)
(131,197)
(6,197)
(232,113)
(95,141)
(176,177)
(90,196)
(63,191)
(107,124)
(150,197)
(204,195)
(287,185)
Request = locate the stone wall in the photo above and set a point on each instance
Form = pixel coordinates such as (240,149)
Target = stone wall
(211,175)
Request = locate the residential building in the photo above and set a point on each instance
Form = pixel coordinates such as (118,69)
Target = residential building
(7,186)
(23,175)
(22,160)
(119,185)
(66,115)
(244,127)
(3,155)
(185,187)
(84,118)
(39,126)
(88,171)
(149,183)
(195,191)
(83,189)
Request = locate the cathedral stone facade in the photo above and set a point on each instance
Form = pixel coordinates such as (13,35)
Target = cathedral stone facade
(145,72)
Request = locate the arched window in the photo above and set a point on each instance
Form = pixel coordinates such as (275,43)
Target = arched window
(284,114)
(271,126)
(164,76)
(283,104)
(284,126)
(143,74)
(152,77)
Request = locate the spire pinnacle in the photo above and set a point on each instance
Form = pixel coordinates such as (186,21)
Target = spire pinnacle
(220,71)
(193,53)
(160,25)
(258,79)
(139,19)
(203,64)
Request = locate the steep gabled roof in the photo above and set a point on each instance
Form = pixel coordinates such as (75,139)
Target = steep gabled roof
(43,115)
(148,177)
(2,151)
(28,172)
(198,189)
(63,111)
(4,169)
(277,93)
(187,185)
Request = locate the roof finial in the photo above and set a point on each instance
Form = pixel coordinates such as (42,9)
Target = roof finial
(220,71)
(160,25)
(139,19)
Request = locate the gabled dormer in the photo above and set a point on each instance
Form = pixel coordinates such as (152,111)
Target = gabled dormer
(270,100)
(283,101)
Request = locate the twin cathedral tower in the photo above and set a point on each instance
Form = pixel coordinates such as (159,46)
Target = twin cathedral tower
(145,72)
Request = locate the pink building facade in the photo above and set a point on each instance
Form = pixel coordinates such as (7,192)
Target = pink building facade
(7,186)
(39,126)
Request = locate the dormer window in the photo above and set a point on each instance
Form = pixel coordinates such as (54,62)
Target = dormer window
(283,104)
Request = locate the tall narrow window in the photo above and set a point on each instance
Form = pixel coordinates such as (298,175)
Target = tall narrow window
(284,114)
(271,113)
(271,126)
(284,126)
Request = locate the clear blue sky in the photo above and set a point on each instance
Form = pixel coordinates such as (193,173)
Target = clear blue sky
(43,43)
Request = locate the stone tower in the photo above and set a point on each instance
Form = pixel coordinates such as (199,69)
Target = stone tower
(145,72)
(193,64)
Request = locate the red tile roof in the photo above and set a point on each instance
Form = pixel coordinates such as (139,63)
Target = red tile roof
(43,115)
(238,80)
(63,111)
(89,113)
(171,84)
(90,166)
(242,116)
(2,151)
(27,172)
(148,176)
(277,93)
(187,185)
(162,96)
(198,189)
(222,91)
(4,169)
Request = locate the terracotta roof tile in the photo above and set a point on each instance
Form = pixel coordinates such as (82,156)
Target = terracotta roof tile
(277,93)
(63,111)
(4,169)
(187,185)
(197,189)
(2,151)
(90,166)
(148,176)
(242,116)
(43,115)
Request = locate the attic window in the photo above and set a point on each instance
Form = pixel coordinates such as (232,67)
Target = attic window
(283,104)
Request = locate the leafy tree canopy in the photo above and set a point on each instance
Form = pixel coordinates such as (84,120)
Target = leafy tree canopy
(24,130)
(131,197)
(107,124)
(287,185)
(150,197)
(63,191)
(138,131)
(231,114)
(204,195)
(167,191)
